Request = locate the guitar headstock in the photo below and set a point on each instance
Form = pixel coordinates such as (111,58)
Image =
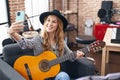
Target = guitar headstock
(96,46)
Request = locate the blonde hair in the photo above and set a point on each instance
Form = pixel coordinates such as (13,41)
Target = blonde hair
(59,37)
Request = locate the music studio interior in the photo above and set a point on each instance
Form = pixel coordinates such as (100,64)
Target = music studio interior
(89,21)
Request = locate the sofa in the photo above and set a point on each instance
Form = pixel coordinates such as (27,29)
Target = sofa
(8,73)
(76,69)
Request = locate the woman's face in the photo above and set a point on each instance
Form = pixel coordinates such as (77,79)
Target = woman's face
(51,23)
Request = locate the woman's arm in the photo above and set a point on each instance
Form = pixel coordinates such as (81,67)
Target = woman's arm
(68,51)
(15,29)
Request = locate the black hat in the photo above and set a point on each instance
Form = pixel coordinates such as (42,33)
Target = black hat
(56,13)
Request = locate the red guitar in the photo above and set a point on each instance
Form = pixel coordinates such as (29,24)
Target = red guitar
(47,64)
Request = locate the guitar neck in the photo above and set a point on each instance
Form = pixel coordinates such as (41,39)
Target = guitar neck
(92,48)
(62,59)
(85,50)
(66,57)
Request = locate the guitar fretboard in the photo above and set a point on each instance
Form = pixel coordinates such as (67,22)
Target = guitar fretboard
(66,57)
(62,59)
(92,48)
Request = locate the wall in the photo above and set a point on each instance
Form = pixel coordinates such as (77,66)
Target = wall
(86,9)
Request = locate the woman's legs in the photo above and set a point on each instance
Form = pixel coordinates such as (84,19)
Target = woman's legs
(62,76)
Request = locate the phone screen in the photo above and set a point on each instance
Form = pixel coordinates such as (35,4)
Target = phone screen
(20,16)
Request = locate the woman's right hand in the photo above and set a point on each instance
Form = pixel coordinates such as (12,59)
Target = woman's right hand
(15,28)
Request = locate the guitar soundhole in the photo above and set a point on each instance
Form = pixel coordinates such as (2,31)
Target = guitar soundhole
(44,65)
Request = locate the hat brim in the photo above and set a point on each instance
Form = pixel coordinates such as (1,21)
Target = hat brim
(62,18)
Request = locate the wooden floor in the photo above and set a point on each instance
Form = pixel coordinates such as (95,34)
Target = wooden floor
(114,61)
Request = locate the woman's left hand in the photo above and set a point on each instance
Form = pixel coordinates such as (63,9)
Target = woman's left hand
(79,54)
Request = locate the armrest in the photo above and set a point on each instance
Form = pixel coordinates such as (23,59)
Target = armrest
(8,73)
(12,51)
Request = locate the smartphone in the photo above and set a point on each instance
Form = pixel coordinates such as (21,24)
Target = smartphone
(20,16)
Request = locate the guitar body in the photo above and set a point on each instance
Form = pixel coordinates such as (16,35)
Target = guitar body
(37,67)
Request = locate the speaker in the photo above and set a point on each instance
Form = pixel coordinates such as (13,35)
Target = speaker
(105,13)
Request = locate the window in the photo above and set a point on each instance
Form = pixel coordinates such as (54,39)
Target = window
(33,8)
(3,22)
(3,12)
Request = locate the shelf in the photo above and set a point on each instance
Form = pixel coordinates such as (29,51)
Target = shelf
(68,12)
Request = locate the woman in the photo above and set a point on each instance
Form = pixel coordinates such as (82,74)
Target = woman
(50,38)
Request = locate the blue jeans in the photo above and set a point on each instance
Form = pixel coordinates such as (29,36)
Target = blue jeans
(62,76)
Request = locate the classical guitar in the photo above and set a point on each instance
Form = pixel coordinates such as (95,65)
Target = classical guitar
(47,64)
